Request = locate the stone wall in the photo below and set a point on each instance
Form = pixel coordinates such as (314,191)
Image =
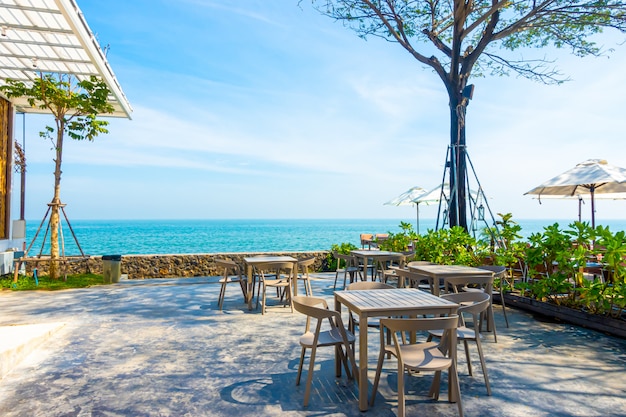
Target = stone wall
(168,266)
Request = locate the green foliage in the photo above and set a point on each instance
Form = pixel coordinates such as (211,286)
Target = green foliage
(511,249)
(553,288)
(345,248)
(399,242)
(489,30)
(612,248)
(555,259)
(452,246)
(46,283)
(594,296)
(74,104)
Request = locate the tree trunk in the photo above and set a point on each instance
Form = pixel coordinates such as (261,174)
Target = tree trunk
(55,205)
(457,208)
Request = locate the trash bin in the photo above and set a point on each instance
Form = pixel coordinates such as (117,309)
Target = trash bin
(111,268)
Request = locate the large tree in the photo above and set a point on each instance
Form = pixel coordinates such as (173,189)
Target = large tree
(75,106)
(461,38)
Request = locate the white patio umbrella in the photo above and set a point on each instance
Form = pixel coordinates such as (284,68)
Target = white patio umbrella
(591,177)
(406,199)
(434,195)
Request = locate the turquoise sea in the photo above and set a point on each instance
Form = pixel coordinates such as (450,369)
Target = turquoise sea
(126,237)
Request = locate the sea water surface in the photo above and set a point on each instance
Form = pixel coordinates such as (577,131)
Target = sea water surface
(128,237)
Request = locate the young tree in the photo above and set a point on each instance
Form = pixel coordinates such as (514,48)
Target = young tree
(75,106)
(458,38)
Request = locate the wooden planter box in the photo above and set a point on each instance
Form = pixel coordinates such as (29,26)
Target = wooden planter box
(612,326)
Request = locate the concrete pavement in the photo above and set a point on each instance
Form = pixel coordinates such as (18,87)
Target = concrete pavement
(162,348)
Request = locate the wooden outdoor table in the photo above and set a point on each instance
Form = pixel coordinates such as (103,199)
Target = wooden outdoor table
(438,273)
(372,254)
(386,303)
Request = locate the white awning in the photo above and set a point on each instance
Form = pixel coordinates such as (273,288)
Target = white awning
(52,36)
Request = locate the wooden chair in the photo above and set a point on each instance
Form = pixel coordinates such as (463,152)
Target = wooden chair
(421,357)
(501,273)
(472,303)
(366,239)
(337,336)
(277,275)
(348,268)
(372,322)
(231,274)
(475,284)
(413,279)
(303,273)
(386,266)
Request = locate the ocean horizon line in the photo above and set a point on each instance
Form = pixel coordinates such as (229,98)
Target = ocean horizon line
(195,236)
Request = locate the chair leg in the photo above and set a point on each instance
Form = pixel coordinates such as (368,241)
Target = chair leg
(506,319)
(401,404)
(483,366)
(379,368)
(435,387)
(302,354)
(309,379)
(335,284)
(220,300)
(454,387)
(492,319)
(288,291)
(467,357)
(263,300)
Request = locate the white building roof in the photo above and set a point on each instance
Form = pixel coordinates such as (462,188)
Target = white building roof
(52,36)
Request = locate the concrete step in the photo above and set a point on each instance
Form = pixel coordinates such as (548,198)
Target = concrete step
(17,341)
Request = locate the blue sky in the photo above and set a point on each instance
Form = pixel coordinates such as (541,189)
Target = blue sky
(263,109)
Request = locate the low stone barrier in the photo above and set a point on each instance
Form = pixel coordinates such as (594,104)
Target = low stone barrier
(170,266)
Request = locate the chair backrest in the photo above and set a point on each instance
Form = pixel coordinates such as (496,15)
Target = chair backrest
(277,267)
(366,238)
(381,237)
(368,285)
(304,264)
(473,302)
(498,270)
(310,307)
(230,267)
(449,324)
(452,284)
(414,279)
(348,260)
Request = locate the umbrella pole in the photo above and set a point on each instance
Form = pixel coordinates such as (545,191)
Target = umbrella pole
(593,207)
(417,207)
(580,203)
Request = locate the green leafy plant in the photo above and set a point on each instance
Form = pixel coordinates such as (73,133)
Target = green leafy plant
(330,263)
(452,246)
(612,248)
(399,242)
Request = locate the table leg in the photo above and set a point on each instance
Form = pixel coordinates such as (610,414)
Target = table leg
(250,292)
(294,279)
(361,371)
(363,381)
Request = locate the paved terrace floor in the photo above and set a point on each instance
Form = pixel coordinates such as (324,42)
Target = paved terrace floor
(162,348)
